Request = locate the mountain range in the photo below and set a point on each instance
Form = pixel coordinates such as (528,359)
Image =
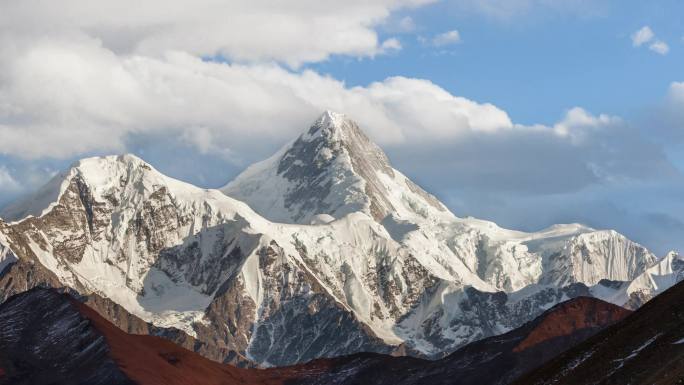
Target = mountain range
(322,250)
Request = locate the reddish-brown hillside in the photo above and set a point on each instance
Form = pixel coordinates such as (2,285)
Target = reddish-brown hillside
(570,317)
(150,360)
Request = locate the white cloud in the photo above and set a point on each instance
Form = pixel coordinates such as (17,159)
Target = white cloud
(95,87)
(66,97)
(62,97)
(578,124)
(392,44)
(447,38)
(645,35)
(293,32)
(642,36)
(659,47)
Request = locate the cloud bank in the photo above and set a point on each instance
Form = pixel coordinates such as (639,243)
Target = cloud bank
(292,32)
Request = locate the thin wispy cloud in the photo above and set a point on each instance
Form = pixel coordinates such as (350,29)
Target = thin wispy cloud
(404,25)
(659,47)
(447,38)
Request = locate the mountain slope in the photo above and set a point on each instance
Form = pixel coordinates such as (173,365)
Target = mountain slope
(179,256)
(50,337)
(645,348)
(494,360)
(44,341)
(385,268)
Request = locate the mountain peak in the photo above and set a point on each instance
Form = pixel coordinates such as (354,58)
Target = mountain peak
(96,174)
(330,119)
(331,170)
(334,127)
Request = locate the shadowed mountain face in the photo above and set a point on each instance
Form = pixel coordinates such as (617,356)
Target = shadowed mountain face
(44,340)
(51,338)
(645,348)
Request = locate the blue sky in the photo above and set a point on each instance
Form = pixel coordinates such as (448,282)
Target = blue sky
(584,125)
(538,63)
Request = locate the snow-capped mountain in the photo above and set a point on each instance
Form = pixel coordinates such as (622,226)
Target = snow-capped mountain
(331,170)
(323,249)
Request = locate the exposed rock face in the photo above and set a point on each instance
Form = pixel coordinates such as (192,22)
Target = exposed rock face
(386,267)
(331,169)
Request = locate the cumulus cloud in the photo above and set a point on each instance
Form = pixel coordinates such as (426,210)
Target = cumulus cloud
(579,125)
(57,90)
(446,38)
(642,36)
(293,32)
